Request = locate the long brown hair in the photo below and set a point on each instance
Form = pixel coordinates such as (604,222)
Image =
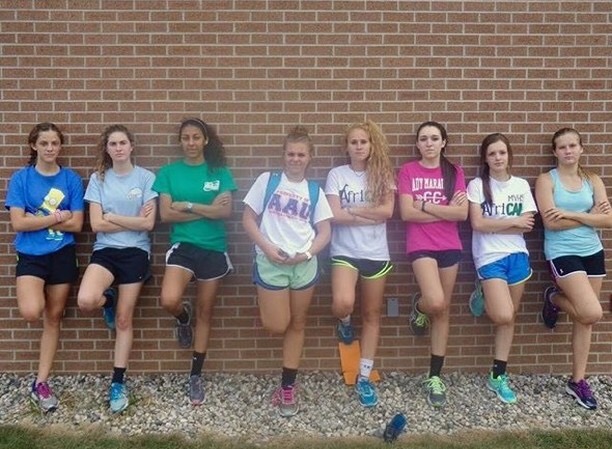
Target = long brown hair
(380,174)
(449,171)
(35,133)
(484,167)
(104,161)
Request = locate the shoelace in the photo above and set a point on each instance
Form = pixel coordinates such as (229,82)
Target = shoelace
(436,385)
(421,319)
(116,391)
(43,390)
(365,387)
(503,384)
(287,395)
(584,390)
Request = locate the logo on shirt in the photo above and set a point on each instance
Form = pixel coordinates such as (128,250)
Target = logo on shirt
(212,186)
(134,193)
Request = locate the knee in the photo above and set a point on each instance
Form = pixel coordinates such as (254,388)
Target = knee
(170,303)
(87,302)
(275,327)
(123,322)
(501,317)
(591,315)
(342,306)
(371,317)
(30,314)
(433,304)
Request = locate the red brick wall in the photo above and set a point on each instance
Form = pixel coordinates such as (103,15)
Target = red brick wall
(256,68)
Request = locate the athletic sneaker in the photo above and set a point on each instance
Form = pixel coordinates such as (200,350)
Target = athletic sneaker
(477,304)
(436,391)
(286,399)
(43,396)
(118,397)
(581,392)
(366,391)
(184,332)
(345,332)
(550,312)
(108,313)
(501,388)
(196,389)
(419,322)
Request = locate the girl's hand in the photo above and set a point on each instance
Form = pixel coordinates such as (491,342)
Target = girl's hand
(603,207)
(525,222)
(555,214)
(458,199)
(222,199)
(146,210)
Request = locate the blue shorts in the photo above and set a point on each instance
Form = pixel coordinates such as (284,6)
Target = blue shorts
(514,269)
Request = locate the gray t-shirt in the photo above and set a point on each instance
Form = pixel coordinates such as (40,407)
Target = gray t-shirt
(122,195)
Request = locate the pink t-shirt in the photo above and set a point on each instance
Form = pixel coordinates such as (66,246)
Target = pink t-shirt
(427,184)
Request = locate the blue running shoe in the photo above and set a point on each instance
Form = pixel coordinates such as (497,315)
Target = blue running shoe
(345,332)
(118,397)
(500,387)
(581,392)
(366,391)
(477,304)
(108,313)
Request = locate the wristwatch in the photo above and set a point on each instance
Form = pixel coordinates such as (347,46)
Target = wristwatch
(189,206)
(308,255)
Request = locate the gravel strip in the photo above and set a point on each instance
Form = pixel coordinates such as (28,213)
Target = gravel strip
(238,405)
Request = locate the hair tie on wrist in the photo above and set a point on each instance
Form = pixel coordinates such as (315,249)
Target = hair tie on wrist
(423,206)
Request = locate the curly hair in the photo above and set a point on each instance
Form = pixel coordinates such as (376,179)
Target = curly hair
(380,173)
(35,133)
(214,151)
(104,161)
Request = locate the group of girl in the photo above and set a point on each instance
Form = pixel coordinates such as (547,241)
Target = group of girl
(291,220)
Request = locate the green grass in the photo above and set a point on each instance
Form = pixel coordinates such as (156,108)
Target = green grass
(14,437)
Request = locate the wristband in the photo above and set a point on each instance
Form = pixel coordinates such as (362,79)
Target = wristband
(308,255)
(423,206)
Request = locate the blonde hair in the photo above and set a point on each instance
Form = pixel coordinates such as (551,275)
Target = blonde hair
(582,172)
(380,173)
(299,134)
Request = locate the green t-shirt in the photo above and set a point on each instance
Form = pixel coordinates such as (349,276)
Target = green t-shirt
(197,184)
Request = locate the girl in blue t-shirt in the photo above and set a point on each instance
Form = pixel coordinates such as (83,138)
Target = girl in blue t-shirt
(45,202)
(574,205)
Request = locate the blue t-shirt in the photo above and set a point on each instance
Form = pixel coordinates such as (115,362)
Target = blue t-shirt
(122,195)
(580,241)
(39,194)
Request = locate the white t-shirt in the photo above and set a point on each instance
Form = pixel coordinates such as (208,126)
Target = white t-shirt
(511,198)
(359,242)
(286,220)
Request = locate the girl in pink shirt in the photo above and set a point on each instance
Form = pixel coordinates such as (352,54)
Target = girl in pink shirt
(432,201)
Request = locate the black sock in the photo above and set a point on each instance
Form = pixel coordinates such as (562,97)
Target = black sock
(183,317)
(118,375)
(288,377)
(197,362)
(499,368)
(435,365)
